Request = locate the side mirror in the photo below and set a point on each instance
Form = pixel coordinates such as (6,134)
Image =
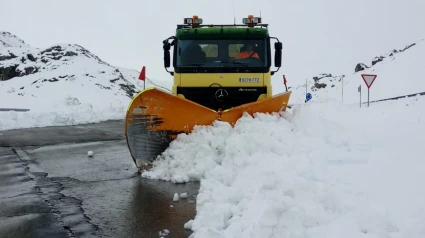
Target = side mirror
(278,54)
(166,47)
(167,60)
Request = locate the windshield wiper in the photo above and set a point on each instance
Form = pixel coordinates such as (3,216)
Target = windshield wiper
(237,63)
(241,63)
(198,65)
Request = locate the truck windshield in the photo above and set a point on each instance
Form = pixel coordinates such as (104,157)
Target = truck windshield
(221,53)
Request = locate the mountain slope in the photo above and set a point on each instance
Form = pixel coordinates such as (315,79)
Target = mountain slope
(7,39)
(63,81)
(399,73)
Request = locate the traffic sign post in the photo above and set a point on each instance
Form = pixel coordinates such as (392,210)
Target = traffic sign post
(342,88)
(368,80)
(359,89)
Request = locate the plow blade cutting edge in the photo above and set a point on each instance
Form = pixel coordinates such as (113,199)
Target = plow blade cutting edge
(155,118)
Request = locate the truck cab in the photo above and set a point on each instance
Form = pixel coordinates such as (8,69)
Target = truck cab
(222,66)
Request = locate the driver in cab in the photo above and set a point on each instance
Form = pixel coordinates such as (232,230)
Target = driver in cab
(247,52)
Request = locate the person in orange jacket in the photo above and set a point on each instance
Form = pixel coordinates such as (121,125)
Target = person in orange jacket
(247,53)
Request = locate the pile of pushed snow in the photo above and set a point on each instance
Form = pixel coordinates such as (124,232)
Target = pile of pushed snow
(400,72)
(325,170)
(62,85)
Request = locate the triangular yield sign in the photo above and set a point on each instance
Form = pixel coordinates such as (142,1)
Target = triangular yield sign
(369,79)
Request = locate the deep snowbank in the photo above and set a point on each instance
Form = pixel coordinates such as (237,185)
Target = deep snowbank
(327,170)
(66,115)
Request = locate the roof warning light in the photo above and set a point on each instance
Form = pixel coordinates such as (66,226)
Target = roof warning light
(193,20)
(251,20)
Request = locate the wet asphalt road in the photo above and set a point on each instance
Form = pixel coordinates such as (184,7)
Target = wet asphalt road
(49,187)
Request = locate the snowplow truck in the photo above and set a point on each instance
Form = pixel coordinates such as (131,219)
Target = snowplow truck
(220,72)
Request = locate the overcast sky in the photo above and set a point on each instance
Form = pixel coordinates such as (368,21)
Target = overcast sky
(318,35)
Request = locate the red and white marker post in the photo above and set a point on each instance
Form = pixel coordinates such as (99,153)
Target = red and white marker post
(368,80)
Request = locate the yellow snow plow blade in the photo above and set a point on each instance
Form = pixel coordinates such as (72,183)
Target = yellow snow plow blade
(155,117)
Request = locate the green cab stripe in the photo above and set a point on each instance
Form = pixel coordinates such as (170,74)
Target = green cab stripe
(213,32)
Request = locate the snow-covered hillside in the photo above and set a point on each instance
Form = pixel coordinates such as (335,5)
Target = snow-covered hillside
(327,170)
(9,40)
(61,85)
(400,72)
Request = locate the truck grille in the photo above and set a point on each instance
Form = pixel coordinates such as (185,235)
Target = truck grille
(216,97)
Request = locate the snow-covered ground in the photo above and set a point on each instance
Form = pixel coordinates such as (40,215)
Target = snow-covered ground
(322,170)
(7,39)
(400,72)
(64,84)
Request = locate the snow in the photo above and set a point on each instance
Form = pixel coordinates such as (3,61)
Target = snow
(321,170)
(164,233)
(397,75)
(188,225)
(64,84)
(175,197)
(9,40)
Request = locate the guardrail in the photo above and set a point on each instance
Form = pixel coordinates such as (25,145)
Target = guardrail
(380,100)
(398,97)
(14,109)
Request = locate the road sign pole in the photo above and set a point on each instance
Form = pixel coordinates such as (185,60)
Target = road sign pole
(342,99)
(368,96)
(359,89)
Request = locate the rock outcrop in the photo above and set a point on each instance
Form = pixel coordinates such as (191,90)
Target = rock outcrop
(361,66)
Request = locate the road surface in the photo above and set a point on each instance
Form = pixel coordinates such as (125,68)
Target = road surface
(49,187)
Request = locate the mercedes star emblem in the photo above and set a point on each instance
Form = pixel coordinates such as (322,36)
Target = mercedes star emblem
(221,94)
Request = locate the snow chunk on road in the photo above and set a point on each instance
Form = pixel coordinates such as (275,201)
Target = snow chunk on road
(188,225)
(175,197)
(164,233)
